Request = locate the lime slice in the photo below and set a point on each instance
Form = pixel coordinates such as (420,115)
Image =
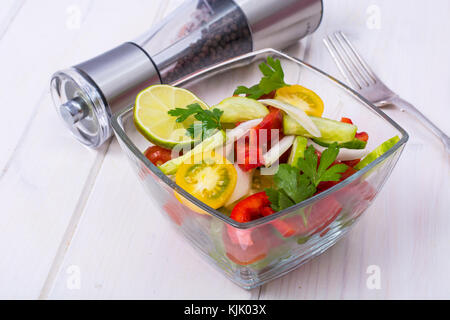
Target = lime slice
(236,109)
(377,152)
(152,119)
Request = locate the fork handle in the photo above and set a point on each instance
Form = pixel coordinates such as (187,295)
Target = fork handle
(402,104)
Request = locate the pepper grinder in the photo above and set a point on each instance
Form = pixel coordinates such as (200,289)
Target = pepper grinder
(197,35)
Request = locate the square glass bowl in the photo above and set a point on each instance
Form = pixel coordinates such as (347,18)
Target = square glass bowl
(253,253)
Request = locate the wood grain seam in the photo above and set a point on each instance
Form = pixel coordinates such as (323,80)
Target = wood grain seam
(24,133)
(74,222)
(13,12)
(81,205)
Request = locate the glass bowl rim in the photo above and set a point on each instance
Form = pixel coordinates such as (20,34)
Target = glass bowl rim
(116,123)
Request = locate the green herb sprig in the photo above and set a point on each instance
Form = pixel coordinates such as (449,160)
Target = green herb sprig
(294,185)
(209,119)
(273,79)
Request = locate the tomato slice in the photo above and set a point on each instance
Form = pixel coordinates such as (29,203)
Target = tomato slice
(158,155)
(285,228)
(212,180)
(250,208)
(250,157)
(245,255)
(351,163)
(363,136)
(346,120)
(301,97)
(356,196)
(314,218)
(173,212)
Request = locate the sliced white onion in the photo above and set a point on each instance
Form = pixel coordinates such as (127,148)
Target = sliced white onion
(271,156)
(297,114)
(243,185)
(241,130)
(235,134)
(344,154)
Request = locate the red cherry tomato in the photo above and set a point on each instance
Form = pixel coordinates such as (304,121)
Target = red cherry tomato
(158,155)
(346,120)
(250,208)
(252,152)
(270,95)
(173,210)
(274,120)
(351,163)
(315,218)
(363,136)
(246,246)
(243,254)
(249,156)
(356,197)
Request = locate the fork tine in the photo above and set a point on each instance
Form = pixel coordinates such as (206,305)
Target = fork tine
(361,61)
(357,67)
(341,62)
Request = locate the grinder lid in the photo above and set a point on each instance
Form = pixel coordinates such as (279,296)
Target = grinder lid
(81,107)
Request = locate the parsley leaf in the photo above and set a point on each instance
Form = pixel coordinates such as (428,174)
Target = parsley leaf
(323,172)
(209,119)
(292,188)
(294,185)
(273,79)
(274,198)
(184,113)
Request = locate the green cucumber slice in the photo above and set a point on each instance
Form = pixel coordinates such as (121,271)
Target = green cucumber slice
(236,109)
(331,130)
(354,144)
(298,150)
(377,152)
(171,167)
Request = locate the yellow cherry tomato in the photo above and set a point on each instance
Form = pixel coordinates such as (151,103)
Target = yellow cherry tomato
(211,180)
(301,97)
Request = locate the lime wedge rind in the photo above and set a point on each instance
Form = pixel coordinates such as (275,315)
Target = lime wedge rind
(151,116)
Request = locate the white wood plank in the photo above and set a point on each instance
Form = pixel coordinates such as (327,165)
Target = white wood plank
(10,8)
(47,175)
(405,231)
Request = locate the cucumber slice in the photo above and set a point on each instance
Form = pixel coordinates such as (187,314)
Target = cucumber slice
(354,144)
(218,139)
(298,150)
(377,152)
(236,109)
(330,130)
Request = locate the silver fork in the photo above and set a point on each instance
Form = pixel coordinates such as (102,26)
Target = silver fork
(363,80)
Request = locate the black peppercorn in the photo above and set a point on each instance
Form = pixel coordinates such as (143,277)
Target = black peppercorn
(224,34)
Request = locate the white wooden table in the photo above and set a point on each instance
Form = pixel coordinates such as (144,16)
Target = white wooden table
(74,223)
